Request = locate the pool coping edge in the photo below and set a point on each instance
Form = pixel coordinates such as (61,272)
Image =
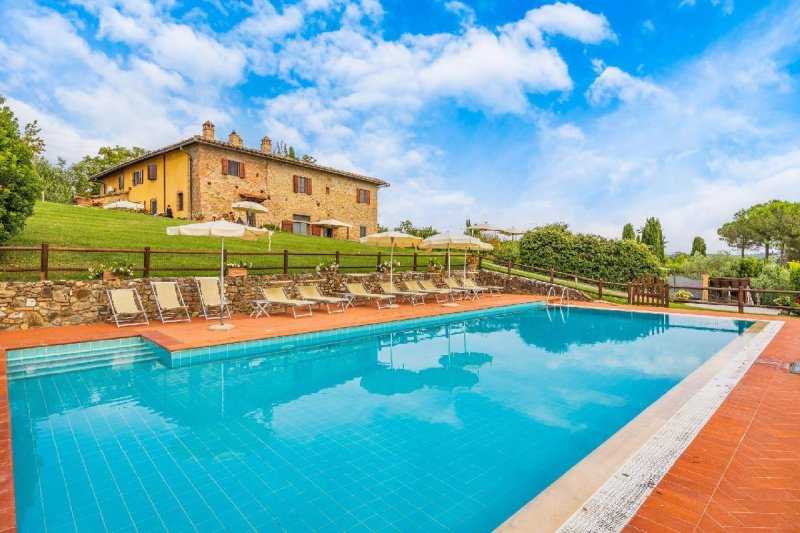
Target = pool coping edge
(604,490)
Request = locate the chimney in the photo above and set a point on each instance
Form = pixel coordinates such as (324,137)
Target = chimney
(208,130)
(235,139)
(266,145)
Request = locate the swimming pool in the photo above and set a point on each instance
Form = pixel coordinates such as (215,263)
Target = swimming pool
(434,426)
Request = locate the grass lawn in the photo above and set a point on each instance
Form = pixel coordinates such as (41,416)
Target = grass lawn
(94,227)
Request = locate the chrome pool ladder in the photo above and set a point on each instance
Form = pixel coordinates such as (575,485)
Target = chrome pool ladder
(564,294)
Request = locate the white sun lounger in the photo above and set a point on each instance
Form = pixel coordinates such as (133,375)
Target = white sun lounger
(277,298)
(169,302)
(413,297)
(208,288)
(453,285)
(311,293)
(358,291)
(125,307)
(428,286)
(494,290)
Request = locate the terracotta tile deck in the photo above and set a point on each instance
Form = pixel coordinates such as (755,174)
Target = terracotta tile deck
(741,473)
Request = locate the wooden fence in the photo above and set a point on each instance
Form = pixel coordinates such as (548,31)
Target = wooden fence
(45,260)
(651,292)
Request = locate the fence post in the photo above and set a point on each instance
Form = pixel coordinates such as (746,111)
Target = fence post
(380,257)
(146,263)
(286,261)
(600,290)
(552,275)
(630,294)
(415,261)
(666,295)
(508,267)
(741,299)
(338,260)
(480,263)
(44,261)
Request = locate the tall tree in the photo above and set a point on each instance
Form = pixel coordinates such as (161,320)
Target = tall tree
(737,233)
(762,221)
(56,181)
(18,183)
(698,246)
(653,236)
(628,232)
(107,157)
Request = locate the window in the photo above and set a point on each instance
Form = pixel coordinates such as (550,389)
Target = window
(121,182)
(179,202)
(301,224)
(302,185)
(362,231)
(153,207)
(362,196)
(138,177)
(232,168)
(152,172)
(327,190)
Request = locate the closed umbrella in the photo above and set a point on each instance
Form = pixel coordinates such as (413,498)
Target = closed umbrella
(221,229)
(391,239)
(124,204)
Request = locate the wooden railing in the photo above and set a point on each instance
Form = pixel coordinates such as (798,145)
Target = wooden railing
(46,260)
(638,293)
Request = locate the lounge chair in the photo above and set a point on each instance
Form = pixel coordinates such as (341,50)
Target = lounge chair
(494,290)
(208,288)
(277,298)
(358,291)
(469,292)
(427,286)
(169,302)
(125,307)
(311,293)
(412,297)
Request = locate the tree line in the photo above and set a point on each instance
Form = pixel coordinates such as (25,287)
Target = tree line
(769,226)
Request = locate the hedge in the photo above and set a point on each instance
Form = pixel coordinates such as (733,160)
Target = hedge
(591,256)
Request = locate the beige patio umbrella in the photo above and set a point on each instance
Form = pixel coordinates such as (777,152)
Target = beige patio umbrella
(453,241)
(124,204)
(391,239)
(513,232)
(333,223)
(221,229)
(247,206)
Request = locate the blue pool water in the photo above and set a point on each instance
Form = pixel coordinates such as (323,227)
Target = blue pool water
(447,427)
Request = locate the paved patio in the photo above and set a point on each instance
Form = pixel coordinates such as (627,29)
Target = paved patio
(741,473)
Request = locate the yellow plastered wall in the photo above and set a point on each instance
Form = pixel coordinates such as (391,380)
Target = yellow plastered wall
(172,177)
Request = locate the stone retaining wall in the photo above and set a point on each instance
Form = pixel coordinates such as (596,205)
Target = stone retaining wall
(55,303)
(519,285)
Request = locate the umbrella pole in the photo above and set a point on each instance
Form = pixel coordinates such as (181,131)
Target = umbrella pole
(221,281)
(391,264)
(465,263)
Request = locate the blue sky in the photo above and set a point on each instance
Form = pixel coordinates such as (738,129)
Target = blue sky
(595,113)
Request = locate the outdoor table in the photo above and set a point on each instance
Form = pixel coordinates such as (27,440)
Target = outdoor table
(260,307)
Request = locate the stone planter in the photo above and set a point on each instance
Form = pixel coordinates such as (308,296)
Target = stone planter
(236,272)
(328,272)
(109,276)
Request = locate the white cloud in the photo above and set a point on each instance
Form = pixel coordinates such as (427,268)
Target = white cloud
(613,83)
(726,6)
(464,12)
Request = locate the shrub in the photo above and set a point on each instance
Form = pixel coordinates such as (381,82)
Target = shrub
(554,246)
(506,251)
(721,265)
(775,278)
(794,275)
(750,267)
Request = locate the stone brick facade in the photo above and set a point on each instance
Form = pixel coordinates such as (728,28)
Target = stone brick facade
(200,177)
(32,304)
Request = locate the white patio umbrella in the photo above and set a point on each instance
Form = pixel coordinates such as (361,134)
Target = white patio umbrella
(124,204)
(221,229)
(253,207)
(453,241)
(333,223)
(391,238)
(513,232)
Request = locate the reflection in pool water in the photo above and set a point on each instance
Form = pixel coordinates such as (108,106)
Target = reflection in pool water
(438,428)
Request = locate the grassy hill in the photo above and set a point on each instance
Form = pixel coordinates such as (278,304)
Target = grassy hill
(92,227)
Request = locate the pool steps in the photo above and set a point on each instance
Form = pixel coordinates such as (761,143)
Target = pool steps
(34,362)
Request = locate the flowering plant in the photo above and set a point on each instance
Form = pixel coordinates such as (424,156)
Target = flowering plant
(388,265)
(435,266)
(328,266)
(682,295)
(238,264)
(120,269)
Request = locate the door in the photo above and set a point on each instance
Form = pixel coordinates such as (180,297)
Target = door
(301,224)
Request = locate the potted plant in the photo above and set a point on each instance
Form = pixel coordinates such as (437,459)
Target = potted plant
(472,261)
(386,266)
(790,306)
(111,272)
(435,266)
(682,296)
(237,268)
(328,267)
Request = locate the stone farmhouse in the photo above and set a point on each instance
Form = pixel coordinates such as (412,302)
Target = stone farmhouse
(200,177)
